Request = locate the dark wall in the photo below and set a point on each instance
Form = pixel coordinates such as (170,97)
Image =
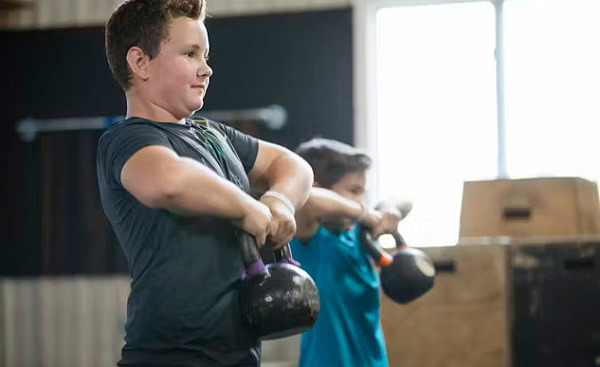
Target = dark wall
(51,217)
(303,62)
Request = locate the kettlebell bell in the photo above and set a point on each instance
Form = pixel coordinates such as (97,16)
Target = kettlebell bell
(279,299)
(406,274)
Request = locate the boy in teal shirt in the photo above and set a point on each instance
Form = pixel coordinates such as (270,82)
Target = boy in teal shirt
(348,331)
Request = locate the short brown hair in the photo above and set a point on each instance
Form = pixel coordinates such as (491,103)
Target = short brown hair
(332,159)
(143,23)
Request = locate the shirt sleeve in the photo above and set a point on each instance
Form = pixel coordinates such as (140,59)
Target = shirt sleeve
(119,144)
(246,146)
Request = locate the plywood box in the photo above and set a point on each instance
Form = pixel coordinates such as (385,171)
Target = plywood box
(462,321)
(530,303)
(556,302)
(530,207)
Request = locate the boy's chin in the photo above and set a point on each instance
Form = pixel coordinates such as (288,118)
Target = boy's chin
(195,105)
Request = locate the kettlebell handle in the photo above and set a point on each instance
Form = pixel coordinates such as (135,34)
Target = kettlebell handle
(284,255)
(399,240)
(377,253)
(253,264)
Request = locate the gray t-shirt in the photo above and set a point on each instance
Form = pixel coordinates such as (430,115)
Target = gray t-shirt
(186,272)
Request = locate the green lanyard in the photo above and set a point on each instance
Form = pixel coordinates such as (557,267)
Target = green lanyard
(217,144)
(213,141)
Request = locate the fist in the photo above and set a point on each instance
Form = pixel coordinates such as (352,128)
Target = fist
(256,220)
(383,221)
(283,224)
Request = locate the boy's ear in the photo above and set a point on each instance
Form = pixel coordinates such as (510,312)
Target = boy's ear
(138,62)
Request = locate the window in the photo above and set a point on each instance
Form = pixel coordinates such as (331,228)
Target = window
(436,103)
(552,88)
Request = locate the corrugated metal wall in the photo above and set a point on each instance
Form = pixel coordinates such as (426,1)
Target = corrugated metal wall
(61,322)
(76,13)
(78,321)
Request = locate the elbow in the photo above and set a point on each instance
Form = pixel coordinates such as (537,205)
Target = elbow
(308,176)
(303,180)
(303,171)
(303,174)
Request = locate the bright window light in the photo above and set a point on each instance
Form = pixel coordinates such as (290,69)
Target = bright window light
(436,111)
(553,87)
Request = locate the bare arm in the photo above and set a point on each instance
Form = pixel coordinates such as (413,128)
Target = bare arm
(159,178)
(322,204)
(278,169)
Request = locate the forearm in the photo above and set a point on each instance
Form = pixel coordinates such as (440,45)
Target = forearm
(194,189)
(324,203)
(291,176)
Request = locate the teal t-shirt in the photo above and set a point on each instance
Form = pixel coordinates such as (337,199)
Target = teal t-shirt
(348,331)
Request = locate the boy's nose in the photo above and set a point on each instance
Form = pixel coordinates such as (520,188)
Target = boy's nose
(207,71)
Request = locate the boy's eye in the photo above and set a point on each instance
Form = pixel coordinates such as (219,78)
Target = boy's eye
(193,54)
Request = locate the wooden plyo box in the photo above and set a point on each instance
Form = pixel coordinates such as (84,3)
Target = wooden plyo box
(530,207)
(462,321)
(532,302)
(556,302)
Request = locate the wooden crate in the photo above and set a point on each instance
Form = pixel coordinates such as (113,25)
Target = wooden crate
(532,302)
(462,321)
(556,293)
(530,207)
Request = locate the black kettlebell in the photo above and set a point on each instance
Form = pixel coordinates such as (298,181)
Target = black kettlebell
(277,300)
(406,274)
